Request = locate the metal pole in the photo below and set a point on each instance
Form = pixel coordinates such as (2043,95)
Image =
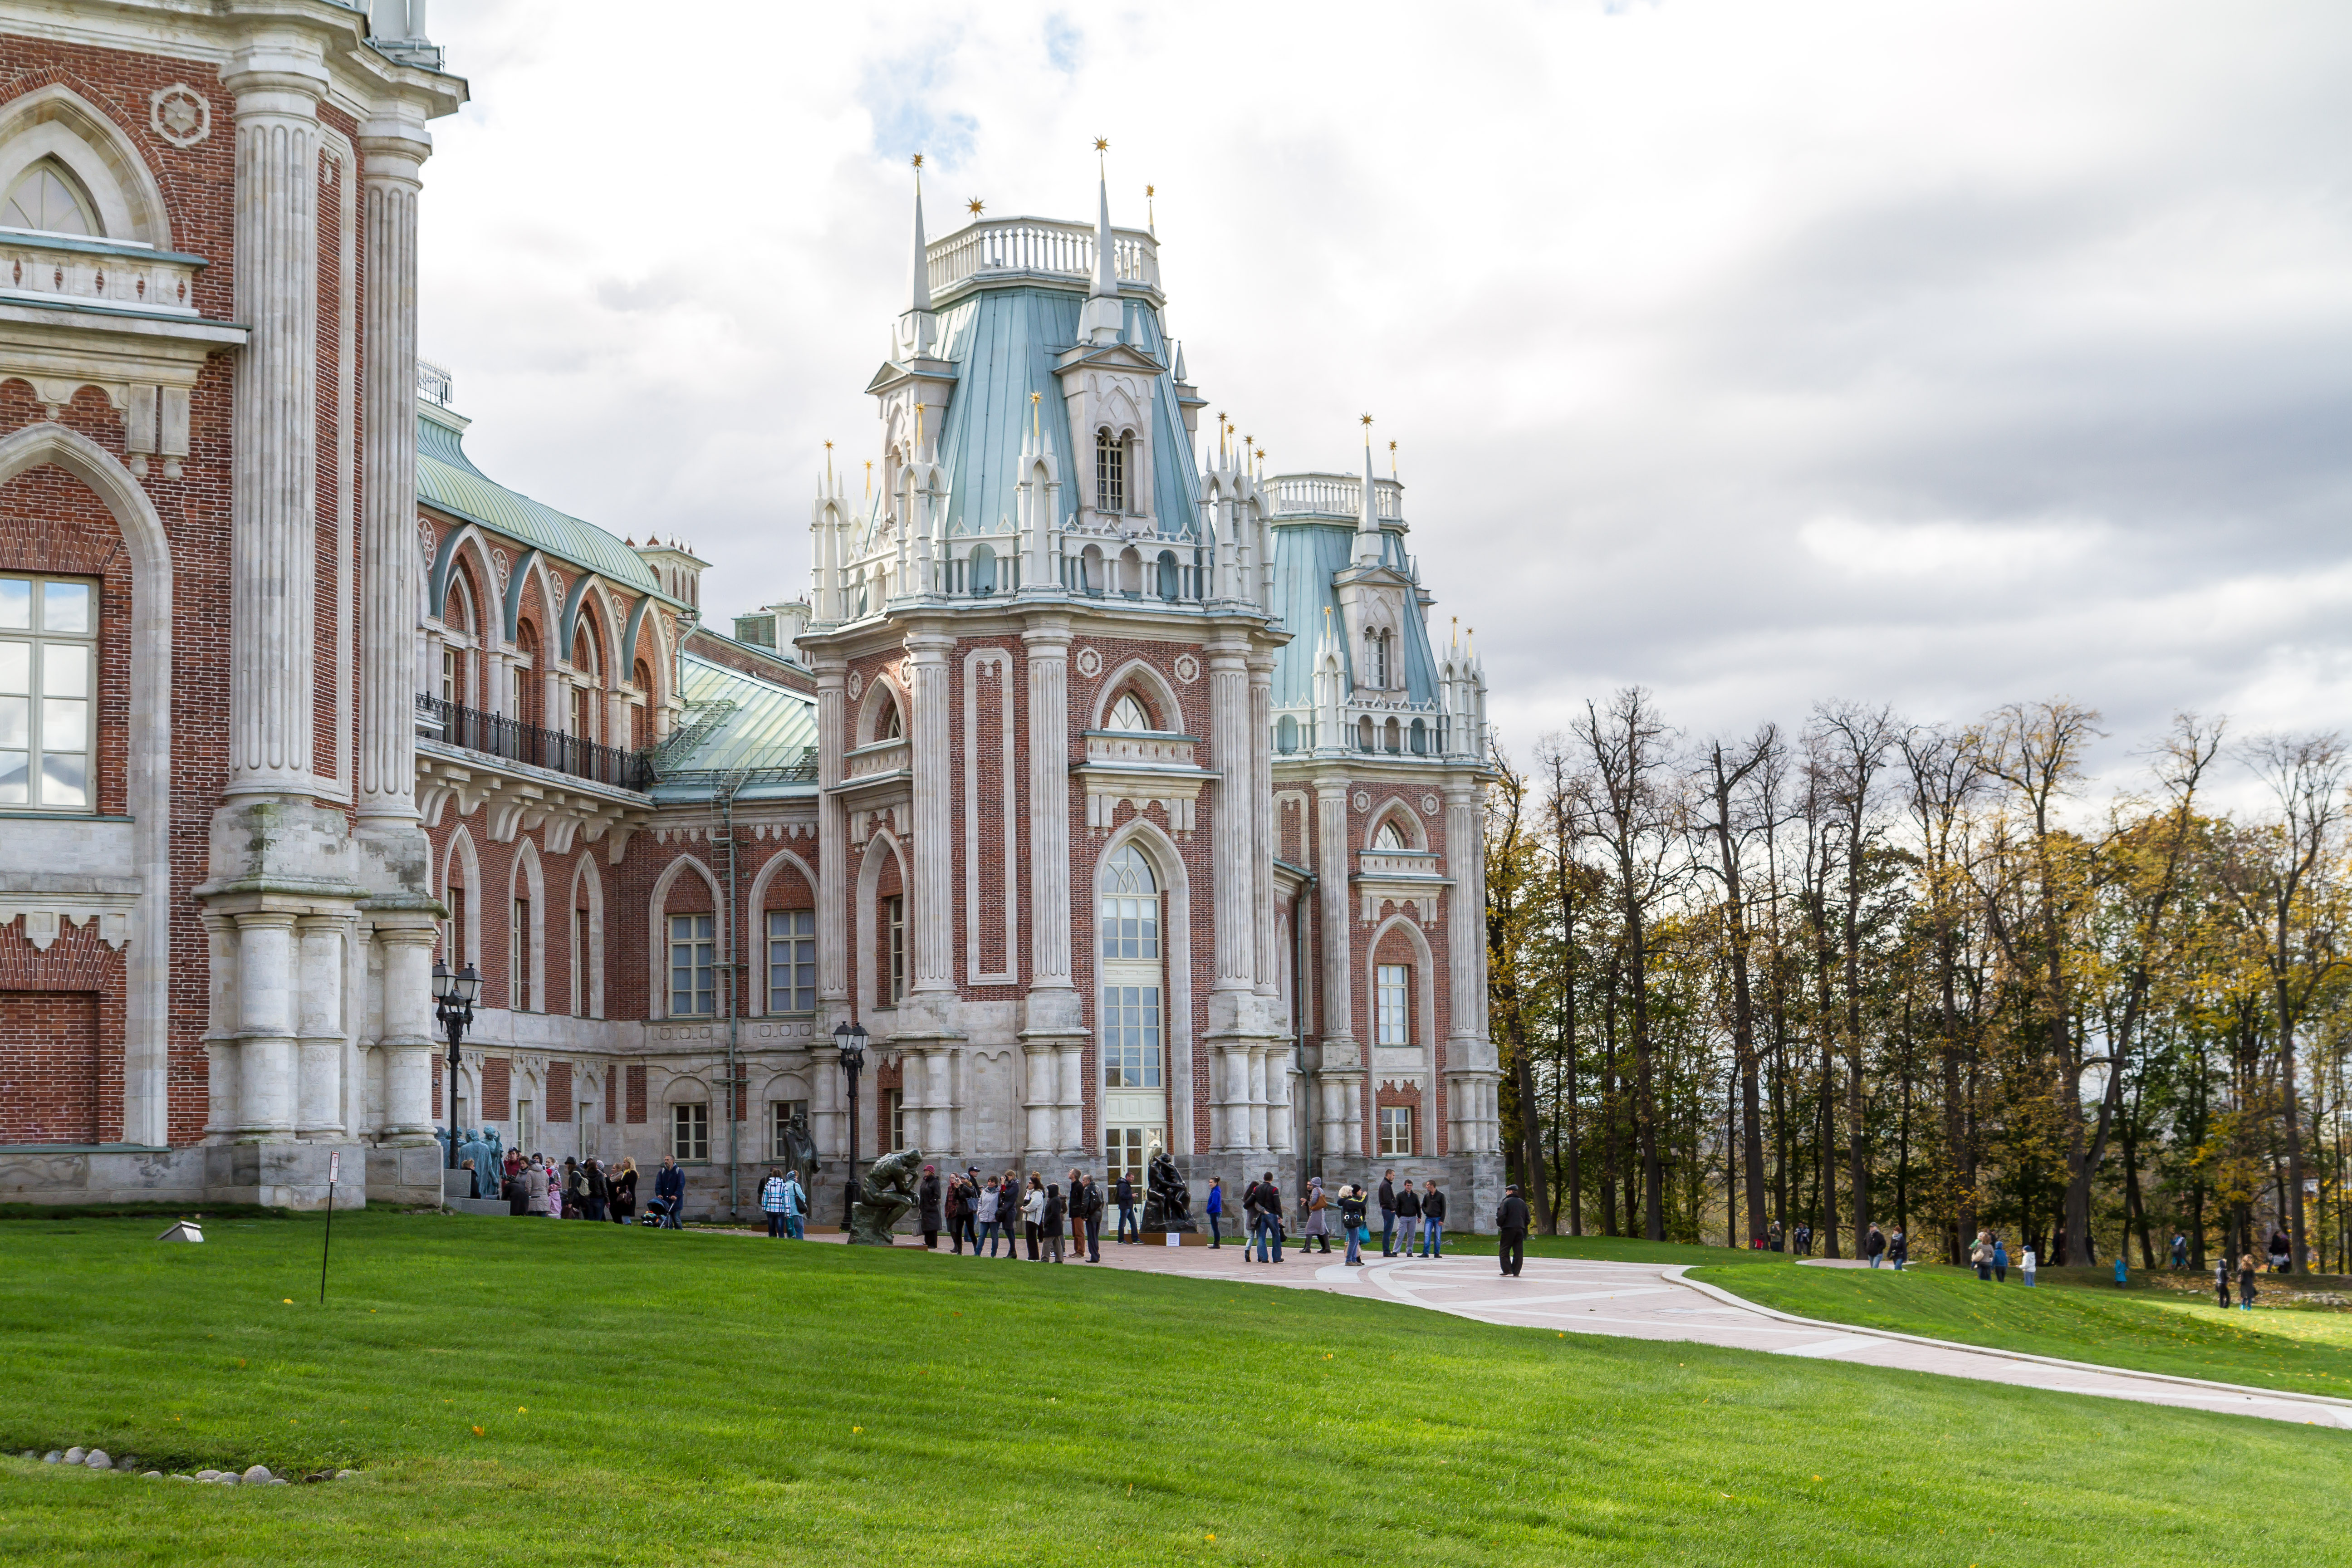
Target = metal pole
(334,1168)
(850,1190)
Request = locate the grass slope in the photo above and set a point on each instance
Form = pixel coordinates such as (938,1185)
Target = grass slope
(535,1393)
(2073,1315)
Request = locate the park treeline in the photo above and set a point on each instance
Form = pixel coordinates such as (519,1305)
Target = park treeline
(1924,975)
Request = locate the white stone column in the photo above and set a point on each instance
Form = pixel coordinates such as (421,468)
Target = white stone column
(933,894)
(833,853)
(220,1032)
(1235,902)
(1048,642)
(1256,1065)
(1071,1134)
(408,1038)
(1268,959)
(1044,1078)
(1278,1110)
(266,1039)
(318,1103)
(273,481)
(939,1101)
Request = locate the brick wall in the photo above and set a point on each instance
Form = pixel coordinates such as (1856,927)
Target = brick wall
(496,1092)
(50,1075)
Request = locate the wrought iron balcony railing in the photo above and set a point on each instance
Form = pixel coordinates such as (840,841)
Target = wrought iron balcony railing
(495,735)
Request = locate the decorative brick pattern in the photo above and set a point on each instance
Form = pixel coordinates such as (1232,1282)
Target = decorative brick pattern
(50,1071)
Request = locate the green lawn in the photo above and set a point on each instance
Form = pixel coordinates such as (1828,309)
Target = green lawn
(533,1393)
(2077,1314)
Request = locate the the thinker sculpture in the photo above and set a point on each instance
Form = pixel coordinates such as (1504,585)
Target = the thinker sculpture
(887,1192)
(1167,1201)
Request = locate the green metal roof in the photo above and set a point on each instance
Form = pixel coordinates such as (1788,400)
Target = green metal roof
(447,480)
(748,726)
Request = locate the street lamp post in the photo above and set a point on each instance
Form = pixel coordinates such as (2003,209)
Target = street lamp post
(850,1038)
(453,1008)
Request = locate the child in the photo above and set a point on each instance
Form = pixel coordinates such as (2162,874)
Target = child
(2025,1262)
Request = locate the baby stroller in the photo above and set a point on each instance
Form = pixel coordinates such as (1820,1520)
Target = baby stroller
(662,1214)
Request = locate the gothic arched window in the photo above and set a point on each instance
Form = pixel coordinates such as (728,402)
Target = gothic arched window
(47,197)
(1110,472)
(1389,836)
(890,727)
(1127,714)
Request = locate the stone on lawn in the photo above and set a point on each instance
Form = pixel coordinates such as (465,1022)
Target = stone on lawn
(153,1475)
(76,1454)
(97,1461)
(341,1475)
(258,1473)
(207,1474)
(53,1457)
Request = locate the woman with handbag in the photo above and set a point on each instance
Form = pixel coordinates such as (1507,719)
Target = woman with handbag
(1351,1218)
(1319,1220)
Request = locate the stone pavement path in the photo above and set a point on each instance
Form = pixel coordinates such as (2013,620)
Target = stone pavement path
(1653,1302)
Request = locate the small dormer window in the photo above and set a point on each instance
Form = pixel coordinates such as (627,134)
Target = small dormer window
(1129,714)
(1110,472)
(47,197)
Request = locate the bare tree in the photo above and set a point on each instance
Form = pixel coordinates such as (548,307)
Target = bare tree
(1730,826)
(1858,741)
(2277,881)
(1630,808)
(1944,783)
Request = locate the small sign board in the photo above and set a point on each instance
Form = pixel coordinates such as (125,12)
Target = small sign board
(334,1166)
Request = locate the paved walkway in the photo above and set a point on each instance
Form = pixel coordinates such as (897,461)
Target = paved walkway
(1655,1301)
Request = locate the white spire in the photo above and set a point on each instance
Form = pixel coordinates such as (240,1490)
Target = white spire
(1180,362)
(1106,248)
(919,280)
(1368,518)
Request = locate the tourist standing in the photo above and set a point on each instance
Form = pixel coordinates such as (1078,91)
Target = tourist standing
(1317,1229)
(1804,1241)
(669,1192)
(2000,1261)
(795,1207)
(985,1207)
(1033,1213)
(2222,1280)
(972,1207)
(1511,1232)
(1876,1245)
(1408,1214)
(1267,1198)
(2179,1250)
(2282,1253)
(625,1192)
(927,1197)
(1432,1220)
(1981,1255)
(1388,1213)
(2246,1283)
(1093,1213)
(1351,1216)
(1124,1195)
(1049,1223)
(575,1188)
(2026,1263)
(553,1175)
(1777,1240)
(599,1189)
(771,1203)
(1008,1214)
(1215,1207)
(1898,1250)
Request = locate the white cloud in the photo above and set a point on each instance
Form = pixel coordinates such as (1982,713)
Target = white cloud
(1944,354)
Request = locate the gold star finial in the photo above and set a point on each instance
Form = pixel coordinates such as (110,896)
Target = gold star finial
(1366,420)
(975,206)
(1102,144)
(918,159)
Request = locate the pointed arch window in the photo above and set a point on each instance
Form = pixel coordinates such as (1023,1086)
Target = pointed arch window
(1110,472)
(889,726)
(1128,713)
(1389,836)
(1130,1015)
(1377,651)
(48,198)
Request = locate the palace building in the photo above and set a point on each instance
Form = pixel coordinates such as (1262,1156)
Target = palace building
(1119,791)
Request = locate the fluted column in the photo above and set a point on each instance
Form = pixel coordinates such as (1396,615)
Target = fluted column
(392,577)
(832,852)
(1048,645)
(1258,1098)
(1261,742)
(1236,904)
(939,1103)
(934,890)
(273,479)
(1466,921)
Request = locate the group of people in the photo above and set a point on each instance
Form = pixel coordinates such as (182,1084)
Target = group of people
(1005,1209)
(582,1189)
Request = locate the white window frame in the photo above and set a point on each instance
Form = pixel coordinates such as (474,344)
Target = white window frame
(792,954)
(44,713)
(688,933)
(689,1132)
(1394,1119)
(1392,1002)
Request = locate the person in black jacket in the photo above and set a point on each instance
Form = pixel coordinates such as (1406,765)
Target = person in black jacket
(1511,1232)
(927,1198)
(1124,1194)
(1408,1212)
(1049,1227)
(1267,1198)
(1352,1215)
(1432,1221)
(1094,1220)
(1388,1213)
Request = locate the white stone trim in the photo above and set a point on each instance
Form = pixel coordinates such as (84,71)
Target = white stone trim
(54,121)
(658,928)
(754,1003)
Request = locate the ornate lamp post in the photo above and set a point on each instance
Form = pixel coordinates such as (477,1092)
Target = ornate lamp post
(850,1038)
(453,1008)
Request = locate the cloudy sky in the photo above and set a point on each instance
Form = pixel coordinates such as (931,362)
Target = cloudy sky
(1938,354)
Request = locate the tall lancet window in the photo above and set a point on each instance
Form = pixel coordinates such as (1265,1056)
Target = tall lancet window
(1379,658)
(1134,1105)
(1110,472)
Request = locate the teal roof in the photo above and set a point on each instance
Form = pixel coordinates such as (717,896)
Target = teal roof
(1306,557)
(752,726)
(1003,343)
(447,481)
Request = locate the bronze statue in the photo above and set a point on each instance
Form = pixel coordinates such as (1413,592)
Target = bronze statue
(887,1192)
(800,1155)
(1167,1202)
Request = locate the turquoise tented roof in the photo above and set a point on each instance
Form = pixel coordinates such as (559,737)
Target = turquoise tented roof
(1004,343)
(447,480)
(1306,557)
